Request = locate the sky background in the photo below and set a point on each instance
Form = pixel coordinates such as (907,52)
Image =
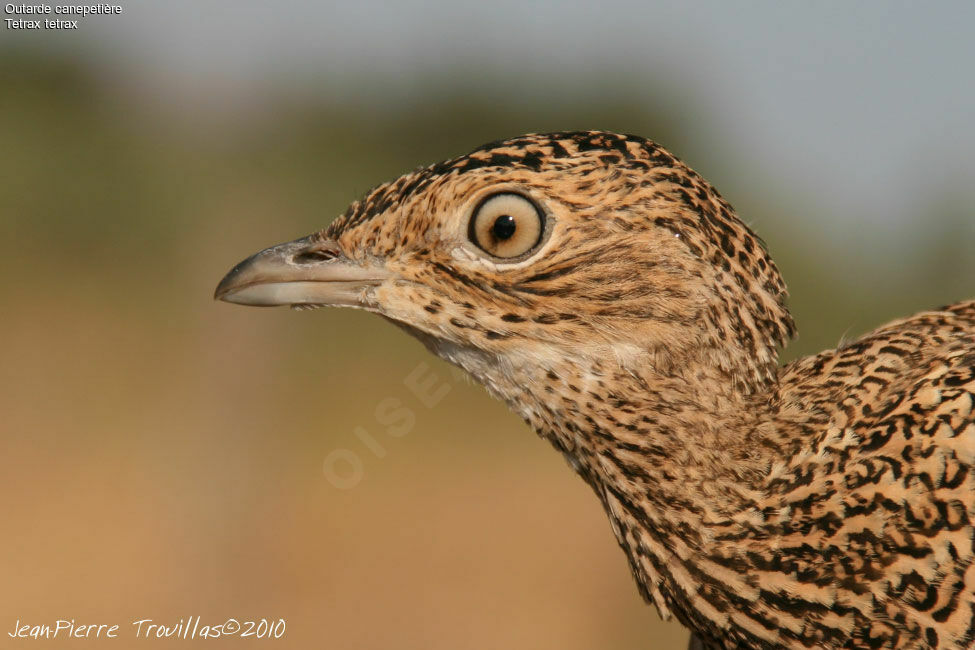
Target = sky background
(865,108)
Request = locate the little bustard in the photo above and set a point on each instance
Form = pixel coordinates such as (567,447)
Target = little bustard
(612,298)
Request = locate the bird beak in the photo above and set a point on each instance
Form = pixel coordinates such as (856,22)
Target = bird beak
(308,271)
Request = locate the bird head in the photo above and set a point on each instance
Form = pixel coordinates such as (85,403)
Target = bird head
(545,250)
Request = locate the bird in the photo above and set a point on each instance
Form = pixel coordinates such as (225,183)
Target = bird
(613,299)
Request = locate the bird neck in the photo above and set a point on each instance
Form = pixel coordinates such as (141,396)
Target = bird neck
(678,459)
(692,433)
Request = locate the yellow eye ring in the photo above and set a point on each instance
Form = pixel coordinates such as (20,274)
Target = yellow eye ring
(506,225)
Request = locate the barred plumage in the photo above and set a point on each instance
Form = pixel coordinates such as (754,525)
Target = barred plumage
(826,503)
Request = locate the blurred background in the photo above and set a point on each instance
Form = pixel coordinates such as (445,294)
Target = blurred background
(162,456)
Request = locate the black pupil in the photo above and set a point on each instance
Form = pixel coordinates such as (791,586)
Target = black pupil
(504,227)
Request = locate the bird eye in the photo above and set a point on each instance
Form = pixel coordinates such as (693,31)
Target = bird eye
(506,225)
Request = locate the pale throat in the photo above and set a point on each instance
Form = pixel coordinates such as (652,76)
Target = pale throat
(591,404)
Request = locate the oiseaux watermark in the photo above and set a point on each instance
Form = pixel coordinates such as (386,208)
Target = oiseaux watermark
(345,467)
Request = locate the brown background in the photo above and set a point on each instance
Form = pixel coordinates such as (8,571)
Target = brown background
(161,455)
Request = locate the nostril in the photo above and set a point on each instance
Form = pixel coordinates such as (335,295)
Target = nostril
(313,256)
